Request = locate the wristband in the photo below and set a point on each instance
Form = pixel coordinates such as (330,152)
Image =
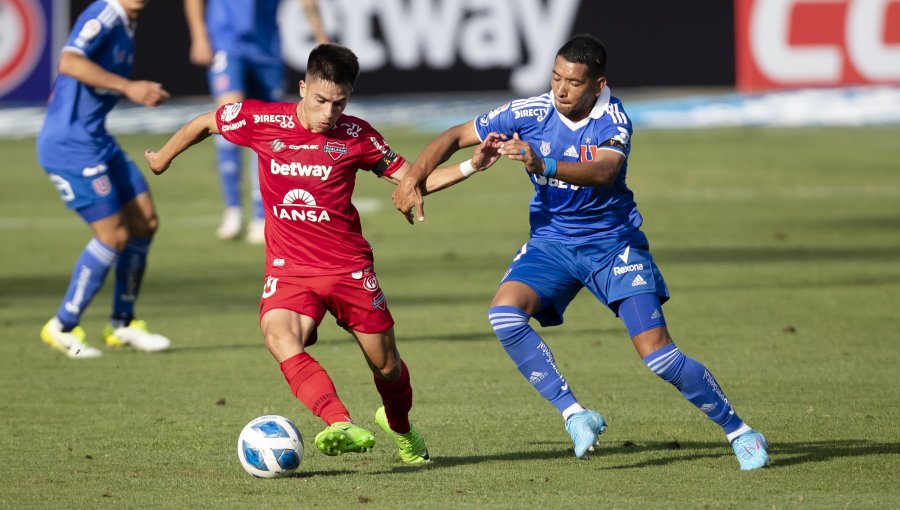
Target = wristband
(549,167)
(466,168)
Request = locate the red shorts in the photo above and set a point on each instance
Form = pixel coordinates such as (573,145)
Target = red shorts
(354,299)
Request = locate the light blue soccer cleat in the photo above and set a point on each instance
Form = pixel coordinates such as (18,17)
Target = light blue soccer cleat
(752,450)
(585,428)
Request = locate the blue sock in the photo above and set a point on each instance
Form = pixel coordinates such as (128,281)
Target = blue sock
(697,385)
(256,195)
(87,278)
(228,156)
(531,355)
(129,275)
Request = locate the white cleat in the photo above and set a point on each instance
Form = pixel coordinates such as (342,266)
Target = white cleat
(256,231)
(71,343)
(230,228)
(135,335)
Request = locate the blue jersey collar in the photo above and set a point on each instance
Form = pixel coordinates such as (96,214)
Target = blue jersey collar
(597,111)
(126,22)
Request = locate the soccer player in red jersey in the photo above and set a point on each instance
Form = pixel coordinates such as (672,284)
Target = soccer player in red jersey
(316,257)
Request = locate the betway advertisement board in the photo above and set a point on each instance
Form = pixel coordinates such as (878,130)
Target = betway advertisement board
(452,45)
(816,43)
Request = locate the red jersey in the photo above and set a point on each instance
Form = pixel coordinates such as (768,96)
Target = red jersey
(306,180)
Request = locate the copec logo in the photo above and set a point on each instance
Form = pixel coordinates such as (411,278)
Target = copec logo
(791,43)
(519,35)
(22,41)
(300,205)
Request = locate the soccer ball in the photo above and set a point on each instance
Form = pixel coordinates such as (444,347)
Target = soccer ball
(270,446)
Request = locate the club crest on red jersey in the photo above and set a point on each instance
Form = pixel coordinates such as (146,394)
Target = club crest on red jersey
(335,149)
(379,301)
(370,283)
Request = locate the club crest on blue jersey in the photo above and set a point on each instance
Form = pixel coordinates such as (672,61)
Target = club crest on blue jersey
(102,185)
(545,149)
(588,153)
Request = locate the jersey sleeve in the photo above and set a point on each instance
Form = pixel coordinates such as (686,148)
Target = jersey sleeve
(616,136)
(88,34)
(498,120)
(375,153)
(233,121)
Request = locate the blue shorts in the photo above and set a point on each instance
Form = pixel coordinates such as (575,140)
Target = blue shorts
(611,269)
(99,191)
(251,79)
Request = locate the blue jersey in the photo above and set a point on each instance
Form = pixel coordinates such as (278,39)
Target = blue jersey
(245,29)
(560,210)
(74,131)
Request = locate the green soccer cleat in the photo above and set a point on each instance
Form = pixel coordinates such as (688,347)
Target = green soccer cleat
(411,445)
(344,437)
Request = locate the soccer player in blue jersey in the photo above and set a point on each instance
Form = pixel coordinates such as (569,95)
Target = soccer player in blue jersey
(574,142)
(238,41)
(97,180)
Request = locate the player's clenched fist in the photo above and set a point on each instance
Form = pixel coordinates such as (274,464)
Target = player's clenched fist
(157,163)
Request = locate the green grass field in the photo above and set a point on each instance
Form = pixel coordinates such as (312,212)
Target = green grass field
(781,249)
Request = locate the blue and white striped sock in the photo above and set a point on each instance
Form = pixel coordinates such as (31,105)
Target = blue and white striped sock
(697,385)
(532,357)
(87,278)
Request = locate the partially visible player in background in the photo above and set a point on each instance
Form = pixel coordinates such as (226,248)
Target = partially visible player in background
(317,260)
(238,41)
(574,142)
(96,179)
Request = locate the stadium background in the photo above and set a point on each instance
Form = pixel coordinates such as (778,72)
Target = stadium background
(696,64)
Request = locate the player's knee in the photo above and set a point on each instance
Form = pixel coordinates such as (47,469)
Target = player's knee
(146,227)
(390,369)
(281,345)
(116,238)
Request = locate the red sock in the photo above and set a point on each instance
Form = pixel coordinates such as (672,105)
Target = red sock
(397,399)
(312,385)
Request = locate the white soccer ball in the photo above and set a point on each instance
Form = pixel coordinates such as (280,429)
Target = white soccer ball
(270,446)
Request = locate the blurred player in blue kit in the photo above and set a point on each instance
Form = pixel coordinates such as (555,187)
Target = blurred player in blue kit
(238,41)
(574,142)
(97,180)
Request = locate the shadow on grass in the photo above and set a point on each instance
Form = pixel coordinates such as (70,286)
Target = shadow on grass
(664,453)
(782,454)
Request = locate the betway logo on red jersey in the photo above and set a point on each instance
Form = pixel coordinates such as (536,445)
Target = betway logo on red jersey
(295,169)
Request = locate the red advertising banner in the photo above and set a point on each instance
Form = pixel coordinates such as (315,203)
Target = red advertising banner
(816,43)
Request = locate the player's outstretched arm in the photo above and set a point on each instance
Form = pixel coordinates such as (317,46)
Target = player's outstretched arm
(408,195)
(85,70)
(201,49)
(485,155)
(599,173)
(194,131)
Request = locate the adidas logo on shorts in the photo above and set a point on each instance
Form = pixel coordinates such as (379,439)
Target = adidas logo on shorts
(638,281)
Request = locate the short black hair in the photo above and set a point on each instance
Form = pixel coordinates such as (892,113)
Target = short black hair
(588,50)
(334,63)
